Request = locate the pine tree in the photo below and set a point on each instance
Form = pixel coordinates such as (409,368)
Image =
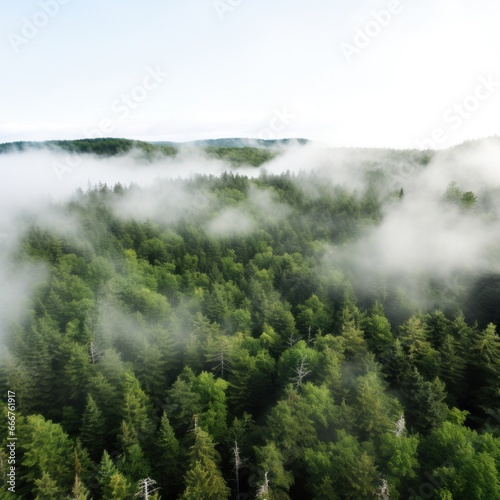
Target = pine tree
(133,463)
(485,367)
(183,401)
(486,344)
(138,426)
(47,488)
(204,480)
(47,450)
(352,469)
(167,463)
(80,492)
(378,330)
(106,469)
(414,337)
(376,410)
(118,487)
(92,430)
(452,369)
(425,401)
(84,466)
(350,330)
(39,359)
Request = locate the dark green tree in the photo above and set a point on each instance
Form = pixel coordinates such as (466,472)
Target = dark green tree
(93,428)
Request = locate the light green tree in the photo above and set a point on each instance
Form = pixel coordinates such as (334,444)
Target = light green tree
(203,480)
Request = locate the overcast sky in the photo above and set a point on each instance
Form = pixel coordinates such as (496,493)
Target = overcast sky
(358,73)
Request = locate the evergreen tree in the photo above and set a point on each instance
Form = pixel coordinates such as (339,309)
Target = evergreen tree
(137,426)
(378,330)
(168,450)
(117,487)
(414,338)
(92,430)
(47,450)
(133,463)
(424,401)
(105,470)
(80,492)
(47,488)
(350,329)
(271,460)
(204,480)
(377,411)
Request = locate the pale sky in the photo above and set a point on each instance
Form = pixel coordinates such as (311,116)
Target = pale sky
(360,73)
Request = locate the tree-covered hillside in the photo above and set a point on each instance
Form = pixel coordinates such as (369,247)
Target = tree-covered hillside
(99,147)
(236,152)
(244,337)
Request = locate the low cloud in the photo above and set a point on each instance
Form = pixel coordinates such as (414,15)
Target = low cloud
(419,234)
(231,222)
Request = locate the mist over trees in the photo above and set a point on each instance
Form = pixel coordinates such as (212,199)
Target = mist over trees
(323,326)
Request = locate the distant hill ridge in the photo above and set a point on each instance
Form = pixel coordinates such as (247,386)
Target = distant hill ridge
(238,151)
(111,145)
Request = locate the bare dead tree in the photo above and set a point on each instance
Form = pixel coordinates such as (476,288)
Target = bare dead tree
(383,490)
(263,490)
(221,360)
(146,488)
(400,426)
(309,337)
(301,371)
(94,352)
(238,464)
(292,340)
(220,356)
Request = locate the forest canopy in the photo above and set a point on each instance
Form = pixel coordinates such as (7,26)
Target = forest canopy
(324,326)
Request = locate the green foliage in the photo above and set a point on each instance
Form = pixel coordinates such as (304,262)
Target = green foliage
(342,470)
(242,155)
(425,401)
(105,470)
(137,426)
(271,460)
(93,428)
(399,459)
(167,464)
(133,463)
(47,488)
(156,339)
(204,397)
(456,454)
(118,487)
(79,491)
(47,455)
(203,479)
(377,410)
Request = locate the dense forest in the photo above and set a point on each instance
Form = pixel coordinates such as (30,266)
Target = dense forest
(244,336)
